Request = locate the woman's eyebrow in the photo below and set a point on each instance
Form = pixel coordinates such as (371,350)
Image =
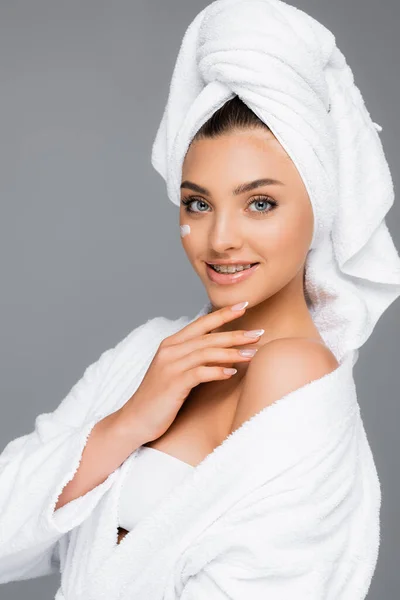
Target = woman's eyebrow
(240,189)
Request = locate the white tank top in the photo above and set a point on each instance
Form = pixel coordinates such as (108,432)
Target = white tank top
(152,475)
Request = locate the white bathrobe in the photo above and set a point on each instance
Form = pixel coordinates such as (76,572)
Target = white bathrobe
(287,507)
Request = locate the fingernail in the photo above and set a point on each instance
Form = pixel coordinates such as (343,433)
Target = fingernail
(253,333)
(239,306)
(248,352)
(229,371)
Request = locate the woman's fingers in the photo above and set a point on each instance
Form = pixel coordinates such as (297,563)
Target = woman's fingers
(204,324)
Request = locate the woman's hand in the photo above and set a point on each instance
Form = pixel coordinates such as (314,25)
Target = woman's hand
(183,360)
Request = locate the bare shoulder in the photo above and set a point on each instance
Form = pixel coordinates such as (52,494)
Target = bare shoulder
(280,367)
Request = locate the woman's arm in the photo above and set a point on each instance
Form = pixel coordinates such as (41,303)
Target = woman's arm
(36,468)
(109,444)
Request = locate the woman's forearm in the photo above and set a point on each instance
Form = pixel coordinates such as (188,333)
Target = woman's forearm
(109,444)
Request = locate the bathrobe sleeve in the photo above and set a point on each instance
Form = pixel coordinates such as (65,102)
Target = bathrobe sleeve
(34,469)
(225,581)
(249,568)
(287,540)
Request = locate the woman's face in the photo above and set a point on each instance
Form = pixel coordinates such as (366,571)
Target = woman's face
(271,224)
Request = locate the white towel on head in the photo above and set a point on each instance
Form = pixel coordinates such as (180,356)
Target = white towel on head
(287,68)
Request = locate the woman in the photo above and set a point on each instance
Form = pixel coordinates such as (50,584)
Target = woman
(167,474)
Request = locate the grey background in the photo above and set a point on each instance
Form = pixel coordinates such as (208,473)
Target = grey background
(83,86)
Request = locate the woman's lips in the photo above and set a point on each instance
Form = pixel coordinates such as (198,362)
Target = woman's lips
(229,278)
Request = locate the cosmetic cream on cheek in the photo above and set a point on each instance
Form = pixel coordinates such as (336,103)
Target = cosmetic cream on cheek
(185,229)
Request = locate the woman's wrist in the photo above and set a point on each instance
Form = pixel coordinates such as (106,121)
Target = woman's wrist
(126,425)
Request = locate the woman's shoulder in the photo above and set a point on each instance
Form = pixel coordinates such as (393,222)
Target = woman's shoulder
(280,367)
(290,362)
(299,353)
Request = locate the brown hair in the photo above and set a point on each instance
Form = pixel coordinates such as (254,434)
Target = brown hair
(234,114)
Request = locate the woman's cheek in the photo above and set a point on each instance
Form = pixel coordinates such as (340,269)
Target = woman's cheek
(185,230)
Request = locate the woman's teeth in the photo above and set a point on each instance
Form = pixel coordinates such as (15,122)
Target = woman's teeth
(230,268)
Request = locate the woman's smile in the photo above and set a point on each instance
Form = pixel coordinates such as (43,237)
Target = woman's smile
(230,278)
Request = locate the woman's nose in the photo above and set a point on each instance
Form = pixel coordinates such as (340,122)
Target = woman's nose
(225,234)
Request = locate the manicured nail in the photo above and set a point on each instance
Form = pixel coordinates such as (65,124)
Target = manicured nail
(253,333)
(239,306)
(229,371)
(248,351)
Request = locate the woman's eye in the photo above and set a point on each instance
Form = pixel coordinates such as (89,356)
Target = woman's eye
(263,201)
(188,203)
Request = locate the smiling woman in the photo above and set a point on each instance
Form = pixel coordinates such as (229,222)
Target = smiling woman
(239,216)
(224,455)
